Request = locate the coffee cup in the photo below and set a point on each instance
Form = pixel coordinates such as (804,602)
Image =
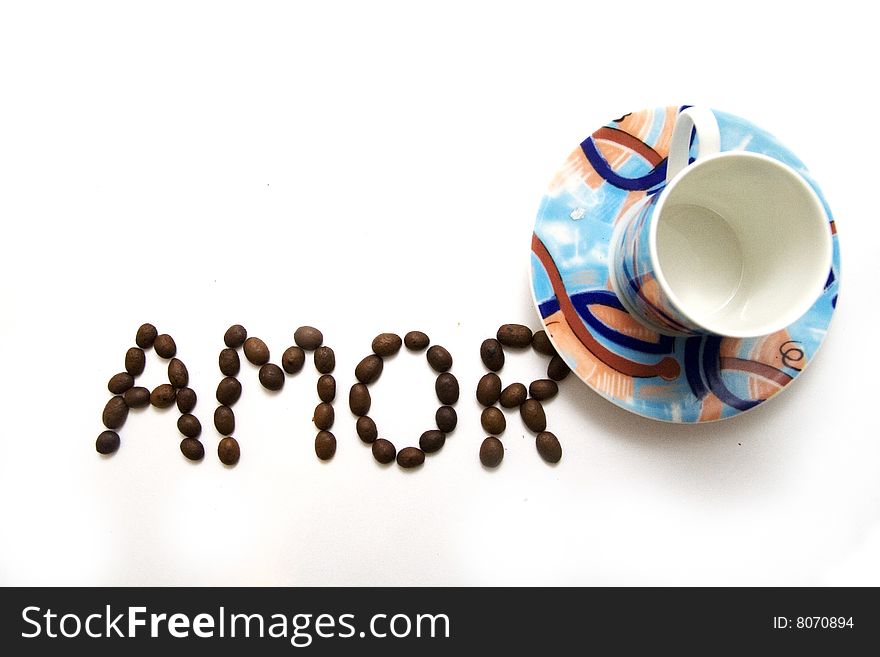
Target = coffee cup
(735,243)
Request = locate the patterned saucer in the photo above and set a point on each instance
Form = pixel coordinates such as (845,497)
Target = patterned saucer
(675,379)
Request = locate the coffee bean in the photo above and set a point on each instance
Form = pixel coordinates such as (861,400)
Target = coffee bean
(532,414)
(107,442)
(192,449)
(325,360)
(135,361)
(229,451)
(366,429)
(513,395)
(446,419)
(431,441)
(271,376)
(557,369)
(416,340)
(492,354)
(224,420)
(446,387)
(163,395)
(326,388)
(369,369)
(489,389)
(230,363)
(383,451)
(235,336)
(115,412)
(325,445)
(386,344)
(186,400)
(439,358)
(323,416)
(410,457)
(119,383)
(515,335)
(189,425)
(491,452)
(293,359)
(256,351)
(548,447)
(145,336)
(228,391)
(178,376)
(359,400)
(165,346)
(137,397)
(541,343)
(493,420)
(543,389)
(308,337)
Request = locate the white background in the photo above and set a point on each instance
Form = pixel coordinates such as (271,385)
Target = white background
(367,167)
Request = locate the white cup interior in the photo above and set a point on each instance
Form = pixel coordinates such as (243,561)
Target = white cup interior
(743,244)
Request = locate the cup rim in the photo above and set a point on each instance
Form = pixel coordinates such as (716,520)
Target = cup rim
(792,315)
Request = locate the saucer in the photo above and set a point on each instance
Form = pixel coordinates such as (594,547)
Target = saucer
(675,379)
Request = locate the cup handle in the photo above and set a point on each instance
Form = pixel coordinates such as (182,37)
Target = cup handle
(709,138)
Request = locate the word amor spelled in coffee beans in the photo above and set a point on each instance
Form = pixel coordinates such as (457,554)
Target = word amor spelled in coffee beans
(489,392)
